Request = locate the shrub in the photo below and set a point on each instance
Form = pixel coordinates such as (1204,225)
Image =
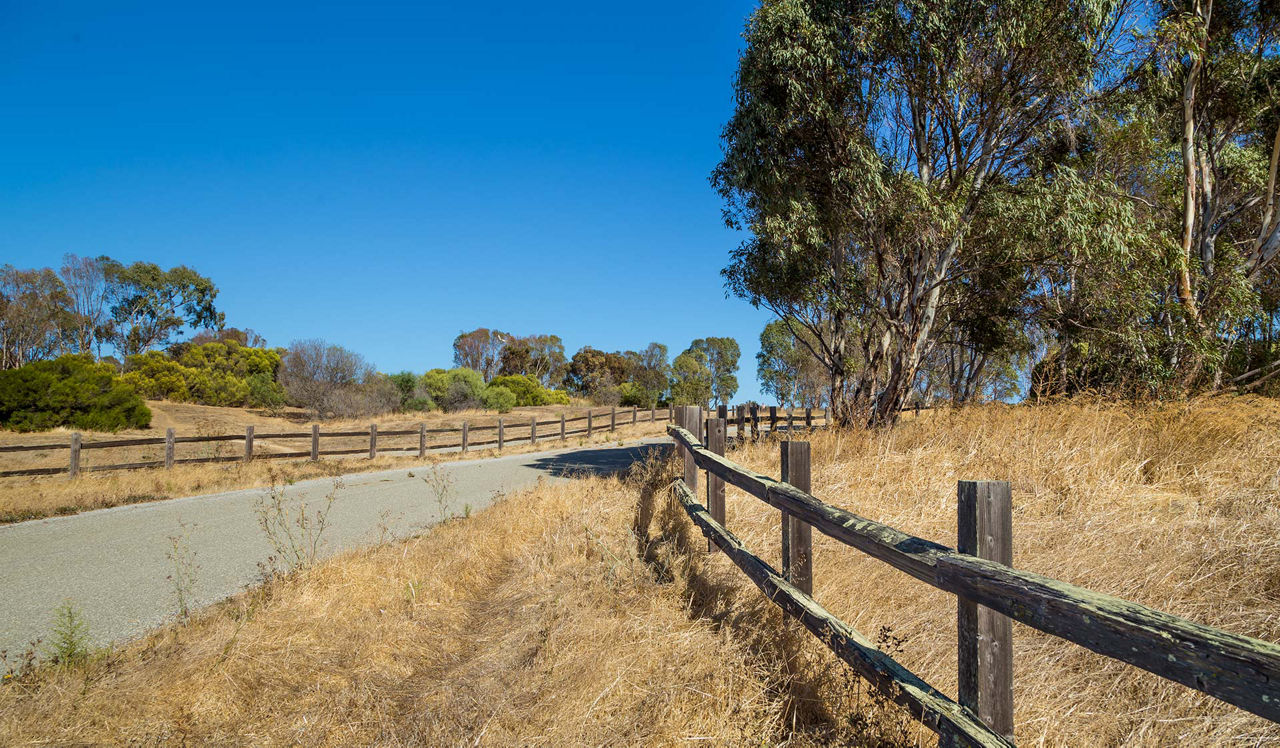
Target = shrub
(265,392)
(434,385)
(419,404)
(222,373)
(463,390)
(630,393)
(498,398)
(529,391)
(69,391)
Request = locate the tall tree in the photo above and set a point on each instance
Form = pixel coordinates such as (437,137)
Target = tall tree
(866,140)
(786,368)
(149,305)
(652,373)
(721,355)
(35,316)
(691,383)
(597,374)
(481,350)
(85,280)
(539,356)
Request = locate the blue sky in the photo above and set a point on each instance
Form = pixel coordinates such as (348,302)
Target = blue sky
(386,175)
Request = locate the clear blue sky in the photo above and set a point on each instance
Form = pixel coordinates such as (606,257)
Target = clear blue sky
(386,175)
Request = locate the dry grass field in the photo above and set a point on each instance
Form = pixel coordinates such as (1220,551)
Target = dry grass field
(542,623)
(32,497)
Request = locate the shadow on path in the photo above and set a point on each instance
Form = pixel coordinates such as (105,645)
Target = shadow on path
(607,461)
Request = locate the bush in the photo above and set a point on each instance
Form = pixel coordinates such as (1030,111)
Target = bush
(265,392)
(222,373)
(529,391)
(630,393)
(419,404)
(69,391)
(462,388)
(498,398)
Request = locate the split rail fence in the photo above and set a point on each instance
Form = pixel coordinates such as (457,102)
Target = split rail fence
(463,438)
(1239,670)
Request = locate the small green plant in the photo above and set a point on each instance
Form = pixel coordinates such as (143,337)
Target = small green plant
(466,511)
(69,644)
(293,529)
(182,577)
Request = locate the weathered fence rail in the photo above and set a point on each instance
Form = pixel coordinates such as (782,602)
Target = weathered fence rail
(505,431)
(1239,670)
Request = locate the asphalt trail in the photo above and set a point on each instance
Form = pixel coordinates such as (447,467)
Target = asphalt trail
(112,564)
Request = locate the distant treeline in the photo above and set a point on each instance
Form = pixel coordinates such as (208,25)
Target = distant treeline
(84,345)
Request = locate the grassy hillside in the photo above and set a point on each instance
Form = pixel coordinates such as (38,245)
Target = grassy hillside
(539,622)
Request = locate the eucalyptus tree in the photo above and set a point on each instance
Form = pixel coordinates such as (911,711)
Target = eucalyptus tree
(866,141)
(149,305)
(1212,86)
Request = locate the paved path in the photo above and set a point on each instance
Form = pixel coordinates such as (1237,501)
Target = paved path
(112,564)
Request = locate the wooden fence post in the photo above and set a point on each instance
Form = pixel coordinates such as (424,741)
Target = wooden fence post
(248,443)
(422,440)
(791,422)
(722,411)
(797,536)
(533,430)
(562,437)
(742,424)
(74,468)
(613,417)
(671,413)
(315,442)
(755,422)
(773,418)
(633,415)
(168,449)
(716,428)
(653,414)
(588,423)
(464,436)
(808,419)
(985,529)
(373,440)
(691,421)
(500,435)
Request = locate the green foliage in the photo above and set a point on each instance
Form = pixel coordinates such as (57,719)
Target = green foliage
(529,391)
(538,356)
(69,644)
(69,391)
(222,373)
(265,392)
(692,384)
(786,368)
(148,305)
(419,404)
(453,390)
(721,356)
(496,397)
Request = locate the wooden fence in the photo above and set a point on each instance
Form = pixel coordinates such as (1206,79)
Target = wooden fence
(496,435)
(1237,669)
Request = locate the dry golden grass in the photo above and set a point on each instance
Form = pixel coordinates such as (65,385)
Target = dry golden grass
(537,624)
(32,497)
(531,624)
(1177,507)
